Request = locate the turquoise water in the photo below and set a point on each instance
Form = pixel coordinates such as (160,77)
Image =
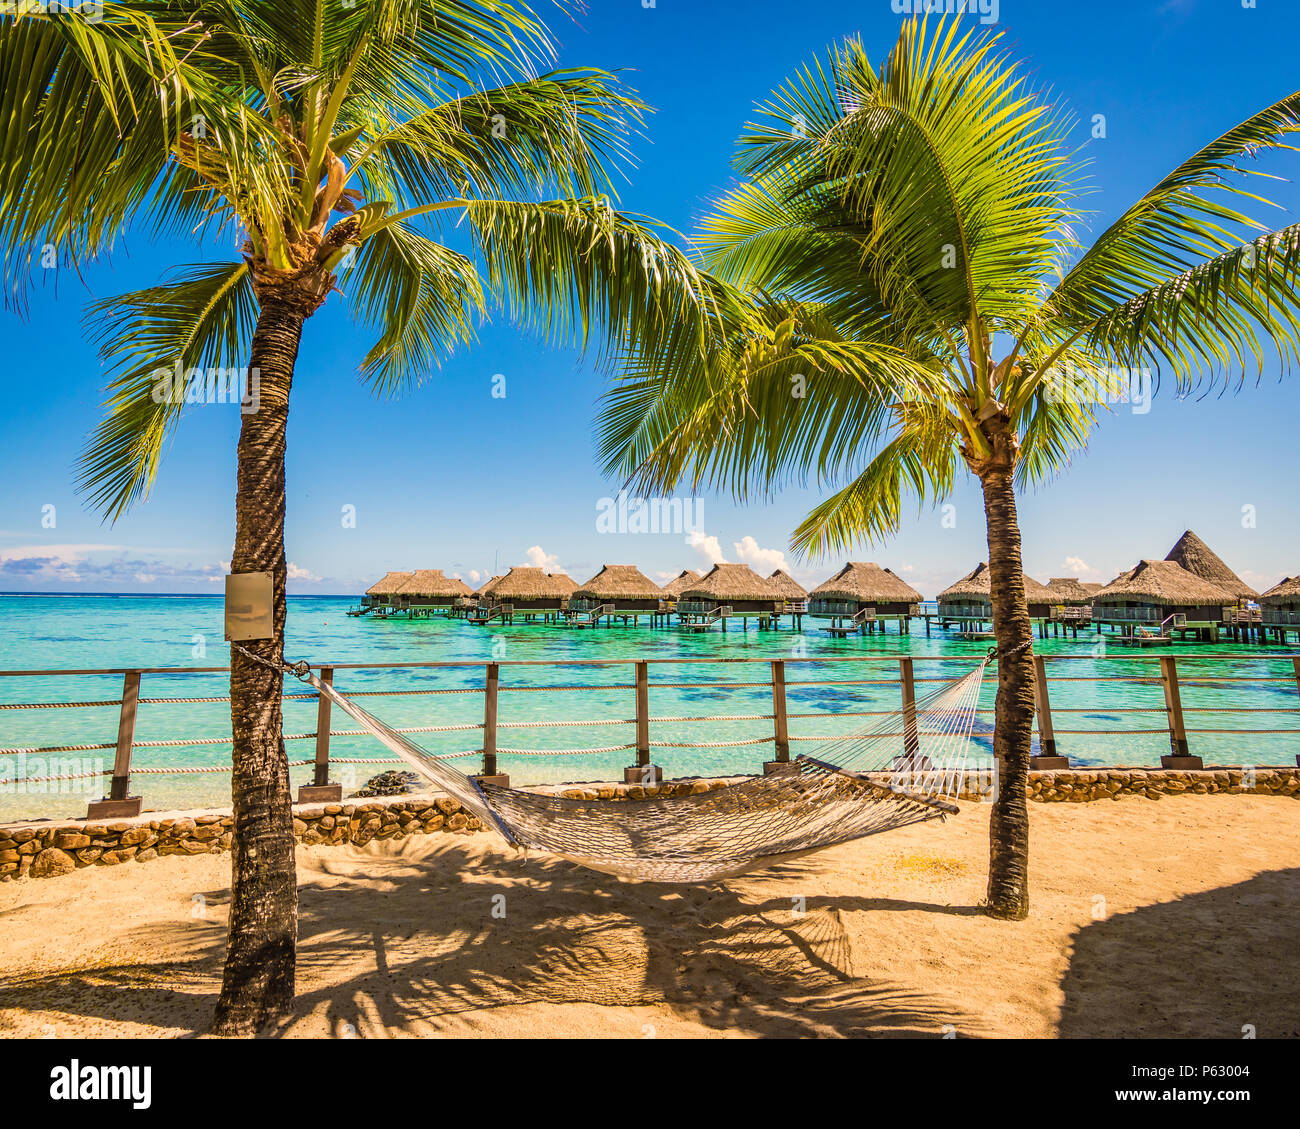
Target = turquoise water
(121,631)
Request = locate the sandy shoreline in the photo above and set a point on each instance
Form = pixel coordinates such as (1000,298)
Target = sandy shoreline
(1176,918)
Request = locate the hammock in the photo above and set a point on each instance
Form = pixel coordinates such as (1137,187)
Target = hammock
(890,775)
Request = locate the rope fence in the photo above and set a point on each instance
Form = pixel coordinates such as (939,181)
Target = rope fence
(1166,676)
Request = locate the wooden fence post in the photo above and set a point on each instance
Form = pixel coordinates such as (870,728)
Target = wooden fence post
(643,772)
(490,686)
(911,739)
(780,723)
(322,772)
(320,790)
(118,804)
(1295,663)
(1048,757)
(642,714)
(1179,756)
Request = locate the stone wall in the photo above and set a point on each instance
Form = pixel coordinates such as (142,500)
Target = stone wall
(48,849)
(1077,785)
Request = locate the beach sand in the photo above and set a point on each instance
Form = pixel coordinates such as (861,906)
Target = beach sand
(1174,918)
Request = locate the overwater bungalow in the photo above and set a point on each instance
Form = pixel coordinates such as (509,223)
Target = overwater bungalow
(427,590)
(728,591)
(1160,600)
(1242,618)
(783,584)
(615,592)
(671,592)
(1193,554)
(861,595)
(793,594)
(679,583)
(379,596)
(1067,592)
(969,603)
(523,592)
(1071,602)
(1280,610)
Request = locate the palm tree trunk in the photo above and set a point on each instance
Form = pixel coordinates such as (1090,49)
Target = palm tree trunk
(258,983)
(1008,889)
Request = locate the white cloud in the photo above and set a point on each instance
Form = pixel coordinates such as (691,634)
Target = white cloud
(706,546)
(754,555)
(1078,565)
(145,577)
(540,558)
(296,573)
(475,576)
(64,554)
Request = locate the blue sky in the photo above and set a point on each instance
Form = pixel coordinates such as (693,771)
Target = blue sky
(451,477)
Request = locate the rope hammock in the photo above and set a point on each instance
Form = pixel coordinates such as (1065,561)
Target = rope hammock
(890,775)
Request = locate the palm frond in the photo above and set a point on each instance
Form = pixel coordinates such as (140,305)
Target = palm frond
(1178,222)
(1213,319)
(920,461)
(576,271)
(557,134)
(420,295)
(782,397)
(202,319)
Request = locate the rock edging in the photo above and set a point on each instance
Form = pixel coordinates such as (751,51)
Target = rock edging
(47,850)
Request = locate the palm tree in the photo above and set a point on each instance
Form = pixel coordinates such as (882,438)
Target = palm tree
(918,305)
(332,146)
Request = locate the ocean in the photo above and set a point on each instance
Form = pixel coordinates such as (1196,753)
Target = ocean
(95,632)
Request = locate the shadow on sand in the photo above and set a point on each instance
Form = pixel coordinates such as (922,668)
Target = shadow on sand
(1203,966)
(402,938)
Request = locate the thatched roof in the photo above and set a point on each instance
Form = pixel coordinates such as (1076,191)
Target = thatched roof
(1069,590)
(1285,591)
(389,585)
(488,585)
(867,582)
(431,582)
(1165,583)
(978,585)
(1092,587)
(731,582)
(783,584)
(614,582)
(526,583)
(681,582)
(1200,560)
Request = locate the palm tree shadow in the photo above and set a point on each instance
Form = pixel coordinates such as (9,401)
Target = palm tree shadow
(550,931)
(1207,965)
(426,933)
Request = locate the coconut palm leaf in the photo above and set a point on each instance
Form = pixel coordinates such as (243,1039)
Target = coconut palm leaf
(420,295)
(573,269)
(202,318)
(920,461)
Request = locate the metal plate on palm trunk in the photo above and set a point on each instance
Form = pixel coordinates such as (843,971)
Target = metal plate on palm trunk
(250,606)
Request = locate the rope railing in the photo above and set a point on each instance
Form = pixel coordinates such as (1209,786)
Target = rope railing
(1166,676)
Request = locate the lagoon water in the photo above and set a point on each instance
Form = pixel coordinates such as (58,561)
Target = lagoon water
(81,632)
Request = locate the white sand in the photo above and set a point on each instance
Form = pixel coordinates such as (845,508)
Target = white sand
(1171,918)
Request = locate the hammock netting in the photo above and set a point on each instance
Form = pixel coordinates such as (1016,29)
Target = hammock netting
(891,775)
